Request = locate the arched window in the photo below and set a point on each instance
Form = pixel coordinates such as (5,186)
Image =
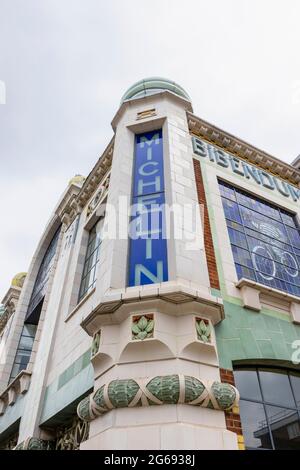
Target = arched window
(269,407)
(34,310)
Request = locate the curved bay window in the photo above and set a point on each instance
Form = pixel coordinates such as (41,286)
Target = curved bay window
(265,240)
(269,407)
(34,310)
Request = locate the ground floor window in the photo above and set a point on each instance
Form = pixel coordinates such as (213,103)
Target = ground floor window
(269,407)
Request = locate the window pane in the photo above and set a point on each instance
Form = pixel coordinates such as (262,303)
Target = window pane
(295,380)
(227,191)
(26,342)
(255,429)
(288,219)
(237,238)
(261,207)
(242,271)
(276,388)
(29,330)
(22,357)
(43,274)
(285,427)
(247,384)
(231,210)
(91,260)
(15,370)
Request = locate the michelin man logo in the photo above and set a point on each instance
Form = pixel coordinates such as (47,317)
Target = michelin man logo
(272,254)
(2,92)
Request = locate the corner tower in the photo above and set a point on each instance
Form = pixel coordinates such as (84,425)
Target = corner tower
(156,372)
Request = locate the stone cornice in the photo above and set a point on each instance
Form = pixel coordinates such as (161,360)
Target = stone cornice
(75,197)
(242,149)
(117,301)
(12,294)
(68,207)
(96,175)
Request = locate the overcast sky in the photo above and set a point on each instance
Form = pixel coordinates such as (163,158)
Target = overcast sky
(66,64)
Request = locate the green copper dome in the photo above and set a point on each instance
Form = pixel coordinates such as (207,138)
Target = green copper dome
(152,85)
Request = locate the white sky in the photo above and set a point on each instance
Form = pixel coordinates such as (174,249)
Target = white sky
(66,64)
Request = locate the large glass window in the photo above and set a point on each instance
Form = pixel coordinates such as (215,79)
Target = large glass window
(42,278)
(24,350)
(265,240)
(34,309)
(269,407)
(89,275)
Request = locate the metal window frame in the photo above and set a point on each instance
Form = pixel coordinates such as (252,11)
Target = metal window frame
(264,402)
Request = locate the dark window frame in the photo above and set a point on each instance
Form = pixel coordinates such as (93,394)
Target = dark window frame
(263,401)
(90,253)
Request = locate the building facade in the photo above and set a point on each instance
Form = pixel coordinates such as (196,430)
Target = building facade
(161,308)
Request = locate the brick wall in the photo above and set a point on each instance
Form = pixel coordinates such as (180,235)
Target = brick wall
(233,419)
(208,242)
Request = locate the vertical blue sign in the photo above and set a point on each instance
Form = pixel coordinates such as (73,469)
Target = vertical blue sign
(148,262)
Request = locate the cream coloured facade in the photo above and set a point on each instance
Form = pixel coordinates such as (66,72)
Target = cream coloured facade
(106,346)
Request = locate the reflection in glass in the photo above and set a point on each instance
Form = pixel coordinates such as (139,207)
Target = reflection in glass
(254,432)
(276,388)
(285,427)
(295,380)
(247,384)
(24,350)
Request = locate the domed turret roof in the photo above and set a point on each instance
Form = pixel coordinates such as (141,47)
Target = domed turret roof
(152,85)
(77,179)
(18,280)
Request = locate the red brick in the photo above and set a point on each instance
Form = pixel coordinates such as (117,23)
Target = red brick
(208,241)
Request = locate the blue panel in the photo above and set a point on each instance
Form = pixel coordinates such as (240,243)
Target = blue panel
(148,262)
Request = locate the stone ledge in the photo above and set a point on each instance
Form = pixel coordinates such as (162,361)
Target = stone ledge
(120,302)
(19,386)
(251,291)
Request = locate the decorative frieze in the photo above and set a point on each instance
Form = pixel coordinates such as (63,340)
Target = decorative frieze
(10,443)
(160,390)
(10,301)
(142,327)
(70,438)
(242,149)
(97,174)
(99,196)
(34,443)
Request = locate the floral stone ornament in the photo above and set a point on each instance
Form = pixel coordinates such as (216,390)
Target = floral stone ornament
(142,327)
(95,343)
(203,330)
